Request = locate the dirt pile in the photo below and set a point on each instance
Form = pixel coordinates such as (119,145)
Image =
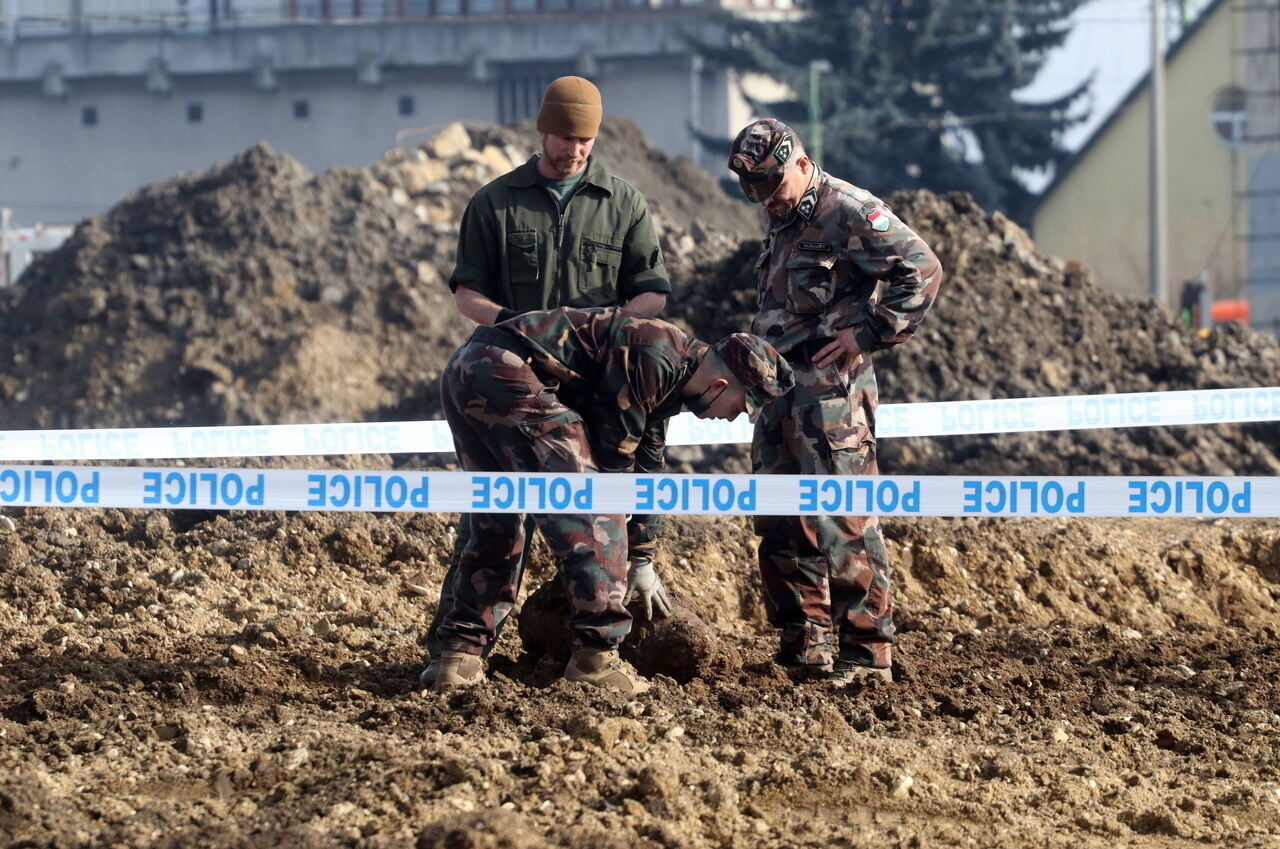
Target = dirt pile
(186,678)
(257,292)
(1012,323)
(174,680)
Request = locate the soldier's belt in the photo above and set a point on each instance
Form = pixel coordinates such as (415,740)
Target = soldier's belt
(947,418)
(804,353)
(619,495)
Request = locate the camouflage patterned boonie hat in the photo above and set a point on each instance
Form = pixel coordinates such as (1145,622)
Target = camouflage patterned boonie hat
(760,155)
(758,366)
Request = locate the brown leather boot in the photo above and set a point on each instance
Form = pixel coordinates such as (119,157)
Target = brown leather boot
(458,669)
(604,668)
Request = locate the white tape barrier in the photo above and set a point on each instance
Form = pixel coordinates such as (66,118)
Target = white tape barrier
(944,418)
(775,495)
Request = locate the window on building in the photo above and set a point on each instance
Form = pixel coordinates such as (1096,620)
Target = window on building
(195,113)
(520,89)
(1229,114)
(301,109)
(406,104)
(89,116)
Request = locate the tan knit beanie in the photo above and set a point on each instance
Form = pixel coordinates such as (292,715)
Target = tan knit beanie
(571,107)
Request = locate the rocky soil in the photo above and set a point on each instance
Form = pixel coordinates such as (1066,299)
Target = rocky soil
(185,678)
(249,680)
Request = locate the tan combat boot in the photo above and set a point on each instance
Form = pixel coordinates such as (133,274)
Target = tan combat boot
(603,668)
(427,677)
(458,669)
(846,671)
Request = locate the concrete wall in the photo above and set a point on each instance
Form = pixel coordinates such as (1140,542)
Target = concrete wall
(56,168)
(1098,213)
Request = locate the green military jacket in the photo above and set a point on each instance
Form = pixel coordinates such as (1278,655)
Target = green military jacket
(515,247)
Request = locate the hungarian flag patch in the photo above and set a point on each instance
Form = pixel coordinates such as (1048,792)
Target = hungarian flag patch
(879,221)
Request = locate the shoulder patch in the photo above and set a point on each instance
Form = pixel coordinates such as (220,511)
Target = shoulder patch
(825,247)
(878,220)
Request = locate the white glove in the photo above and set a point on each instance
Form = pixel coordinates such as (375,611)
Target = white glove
(643,583)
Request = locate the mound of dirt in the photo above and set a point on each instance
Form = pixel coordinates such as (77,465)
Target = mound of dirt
(186,678)
(1010,322)
(257,292)
(231,680)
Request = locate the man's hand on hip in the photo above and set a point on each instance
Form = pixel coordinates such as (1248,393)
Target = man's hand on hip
(842,352)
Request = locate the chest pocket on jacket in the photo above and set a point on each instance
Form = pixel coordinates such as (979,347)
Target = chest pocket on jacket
(522,256)
(810,283)
(601,261)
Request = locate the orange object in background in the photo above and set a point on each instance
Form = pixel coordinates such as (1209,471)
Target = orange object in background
(1229,311)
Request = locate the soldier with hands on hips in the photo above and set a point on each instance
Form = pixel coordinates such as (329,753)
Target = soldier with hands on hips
(840,277)
(569,391)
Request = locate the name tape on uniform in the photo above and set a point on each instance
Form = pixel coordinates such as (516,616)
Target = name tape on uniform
(943,418)
(774,495)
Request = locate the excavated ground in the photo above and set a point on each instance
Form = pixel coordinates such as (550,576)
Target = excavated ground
(175,679)
(249,680)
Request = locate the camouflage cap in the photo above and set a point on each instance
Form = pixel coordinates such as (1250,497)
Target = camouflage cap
(757,365)
(760,155)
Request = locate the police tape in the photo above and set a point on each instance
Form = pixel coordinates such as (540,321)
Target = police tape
(496,492)
(940,418)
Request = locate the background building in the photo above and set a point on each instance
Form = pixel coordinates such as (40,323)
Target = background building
(1095,210)
(1260,186)
(100,96)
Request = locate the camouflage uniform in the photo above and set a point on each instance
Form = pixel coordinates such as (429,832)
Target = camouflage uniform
(840,259)
(516,396)
(516,247)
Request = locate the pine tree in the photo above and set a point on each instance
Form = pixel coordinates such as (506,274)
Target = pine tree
(920,93)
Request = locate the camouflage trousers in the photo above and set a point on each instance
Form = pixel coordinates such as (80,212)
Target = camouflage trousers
(503,418)
(642,538)
(825,578)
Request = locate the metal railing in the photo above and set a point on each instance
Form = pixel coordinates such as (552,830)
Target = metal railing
(39,18)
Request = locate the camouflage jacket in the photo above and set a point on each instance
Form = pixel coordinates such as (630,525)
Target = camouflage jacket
(517,248)
(842,259)
(623,374)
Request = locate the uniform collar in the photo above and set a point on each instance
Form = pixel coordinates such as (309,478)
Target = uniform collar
(808,203)
(526,176)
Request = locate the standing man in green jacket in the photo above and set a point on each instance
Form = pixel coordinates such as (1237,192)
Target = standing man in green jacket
(560,230)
